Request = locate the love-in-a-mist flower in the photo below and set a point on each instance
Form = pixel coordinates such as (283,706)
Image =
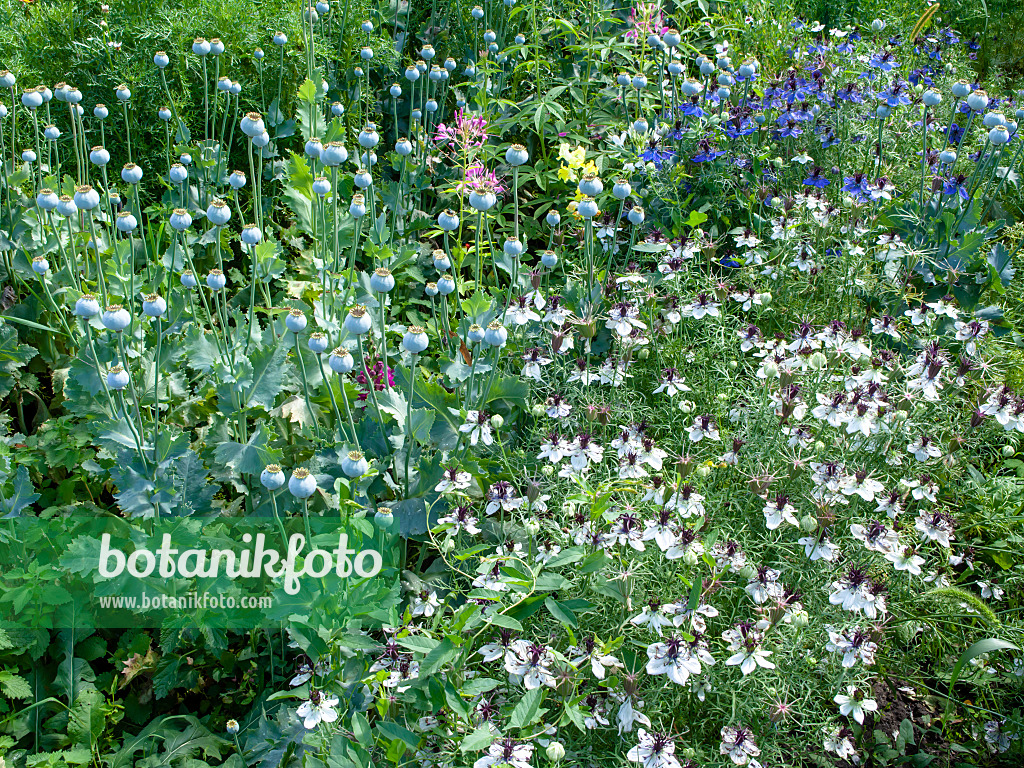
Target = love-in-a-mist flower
(854,703)
(320,708)
(653,750)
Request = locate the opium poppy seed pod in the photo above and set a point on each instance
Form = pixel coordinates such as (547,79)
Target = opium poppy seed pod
(748,69)
(368,137)
(476,333)
(366,53)
(47,199)
(341,361)
(639,81)
(40,265)
(636,215)
(216,46)
(520,39)
(218,212)
(47,93)
(621,189)
(161,59)
(236,88)
(358,321)
(676,68)
(496,334)
(482,201)
(428,52)
(706,66)
(431,289)
(236,179)
(436,74)
(516,155)
(723,93)
(116,318)
(117,378)
(368,159)
(279,38)
(448,220)
(261,140)
(123,92)
(251,234)
(334,154)
(272,477)
(126,222)
(655,41)
(513,246)
(978,100)
(932,97)
(322,186)
(180,219)
(201,46)
(188,279)
(490,36)
(382,281)
(51,132)
(411,73)
(164,113)
(224,84)
(430,106)
(477,12)
(415,340)
(66,206)
(185,159)
(623,79)
(450,64)
(367,26)
(357,209)
(131,173)
(323,7)
(403,147)
(7,79)
(216,280)
(178,173)
(86,198)
(947,156)
(587,208)
(672,37)
(337,108)
(354,464)
(445,285)
(999,135)
(295,321)
(553,219)
(549,259)
(317,343)
(302,484)
(641,126)
(28,155)
(31,98)
(992,119)
(590,185)
(252,124)
(154,305)
(441,261)
(313,148)
(87,306)
(395,90)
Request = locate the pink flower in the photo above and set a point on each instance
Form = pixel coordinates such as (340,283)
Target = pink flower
(464,133)
(377,374)
(479,179)
(645,19)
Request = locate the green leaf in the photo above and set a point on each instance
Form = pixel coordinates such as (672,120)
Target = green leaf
(561,613)
(249,457)
(437,658)
(269,366)
(24,494)
(13,356)
(480,738)
(527,709)
(390,730)
(988,645)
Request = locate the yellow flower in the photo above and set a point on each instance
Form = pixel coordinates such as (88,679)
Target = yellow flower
(565,173)
(590,167)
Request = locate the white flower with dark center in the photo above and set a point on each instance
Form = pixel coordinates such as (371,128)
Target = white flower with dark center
(584,452)
(671,383)
(454,479)
(461,519)
(853,644)
(653,616)
(777,510)
(861,484)
(765,585)
(478,427)
(906,559)
(630,715)
(924,448)
(529,664)
(703,306)
(520,312)
(703,427)
(678,659)
(653,750)
(854,704)
(623,318)
(934,526)
(819,548)
(501,495)
(739,745)
(506,753)
(839,744)
(320,708)
(555,448)
(745,644)
(876,537)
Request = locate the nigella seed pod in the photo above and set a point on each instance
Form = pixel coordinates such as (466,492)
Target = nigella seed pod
(362,179)
(412,74)
(201,46)
(117,378)
(216,46)
(218,212)
(358,320)
(87,306)
(302,484)
(553,219)
(334,154)
(272,477)
(621,189)
(47,199)
(441,261)
(322,186)
(86,198)
(513,247)
(251,234)
(415,340)
(31,98)
(932,97)
(52,132)
(116,318)
(188,279)
(40,265)
(476,333)
(236,179)
(295,321)
(587,208)
(445,285)
(341,361)
(313,148)
(66,206)
(516,155)
(496,334)
(252,124)
(999,135)
(549,259)
(317,343)
(358,207)
(636,215)
(126,222)
(448,220)
(216,280)
(178,173)
(180,219)
(368,137)
(154,305)
(992,119)
(978,101)
(382,281)
(123,92)
(161,59)
(430,289)
(354,464)
(131,173)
